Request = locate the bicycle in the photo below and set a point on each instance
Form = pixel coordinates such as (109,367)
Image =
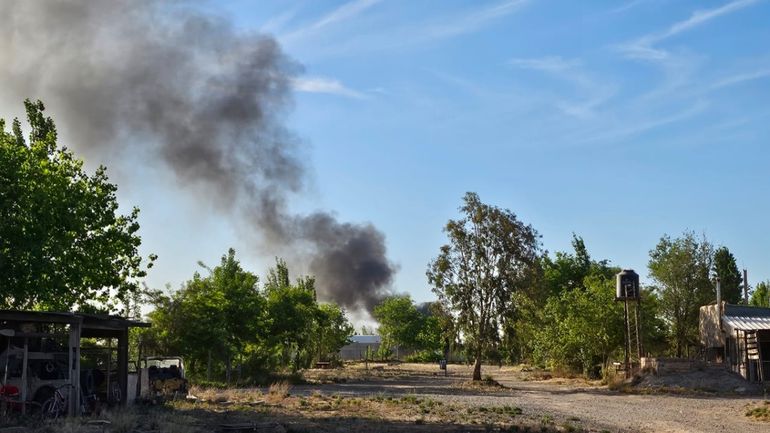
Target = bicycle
(58,404)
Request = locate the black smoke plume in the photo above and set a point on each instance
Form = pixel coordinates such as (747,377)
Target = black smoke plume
(162,80)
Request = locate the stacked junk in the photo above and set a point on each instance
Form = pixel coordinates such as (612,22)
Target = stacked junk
(58,364)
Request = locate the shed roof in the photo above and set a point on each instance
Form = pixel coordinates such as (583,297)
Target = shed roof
(745,318)
(88,321)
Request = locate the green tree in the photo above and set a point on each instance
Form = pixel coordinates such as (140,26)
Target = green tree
(730,276)
(63,243)
(211,318)
(490,256)
(681,269)
(400,322)
(292,313)
(581,328)
(761,295)
(334,331)
(566,271)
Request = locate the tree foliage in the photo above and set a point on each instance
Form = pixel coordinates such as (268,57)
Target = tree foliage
(226,320)
(490,256)
(405,326)
(582,327)
(761,295)
(730,276)
(681,270)
(63,243)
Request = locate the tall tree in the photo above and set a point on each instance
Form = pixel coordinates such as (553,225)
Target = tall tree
(400,322)
(334,331)
(211,318)
(761,295)
(62,241)
(730,276)
(681,268)
(490,256)
(292,313)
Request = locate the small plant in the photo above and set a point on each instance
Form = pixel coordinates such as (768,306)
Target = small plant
(278,391)
(760,413)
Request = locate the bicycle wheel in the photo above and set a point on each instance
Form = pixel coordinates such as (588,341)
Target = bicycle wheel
(51,409)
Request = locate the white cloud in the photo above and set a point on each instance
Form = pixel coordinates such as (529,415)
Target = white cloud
(546,64)
(345,12)
(741,78)
(644,49)
(325,85)
(471,21)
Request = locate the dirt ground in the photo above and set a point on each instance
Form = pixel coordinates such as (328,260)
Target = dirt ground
(420,398)
(526,401)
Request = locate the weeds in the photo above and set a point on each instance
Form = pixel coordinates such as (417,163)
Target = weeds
(760,413)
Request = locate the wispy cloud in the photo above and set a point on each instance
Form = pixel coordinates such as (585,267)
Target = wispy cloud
(325,85)
(277,23)
(638,125)
(546,64)
(471,21)
(630,5)
(590,94)
(644,47)
(345,12)
(741,78)
(412,33)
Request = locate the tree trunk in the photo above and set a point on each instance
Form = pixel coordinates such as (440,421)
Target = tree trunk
(208,368)
(477,368)
(228,370)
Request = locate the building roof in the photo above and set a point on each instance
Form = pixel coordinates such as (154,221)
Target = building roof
(745,318)
(366,339)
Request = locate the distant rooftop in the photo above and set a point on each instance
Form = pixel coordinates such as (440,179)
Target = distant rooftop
(366,339)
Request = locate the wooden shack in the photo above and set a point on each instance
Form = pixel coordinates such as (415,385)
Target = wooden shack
(41,352)
(737,336)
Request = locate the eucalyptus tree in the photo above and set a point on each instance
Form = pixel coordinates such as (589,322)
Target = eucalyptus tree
(490,256)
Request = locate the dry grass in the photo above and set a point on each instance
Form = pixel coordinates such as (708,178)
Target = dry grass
(278,392)
(760,413)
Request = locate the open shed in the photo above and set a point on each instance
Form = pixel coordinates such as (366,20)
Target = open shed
(42,351)
(739,337)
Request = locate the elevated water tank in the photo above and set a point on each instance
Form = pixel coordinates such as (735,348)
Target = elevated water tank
(627,285)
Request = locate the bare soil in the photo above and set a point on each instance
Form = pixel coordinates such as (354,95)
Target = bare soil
(540,402)
(420,398)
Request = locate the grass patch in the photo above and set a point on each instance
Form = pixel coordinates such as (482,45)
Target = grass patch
(760,413)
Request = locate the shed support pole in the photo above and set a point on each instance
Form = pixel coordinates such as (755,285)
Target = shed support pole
(123,365)
(74,362)
(746,356)
(24,376)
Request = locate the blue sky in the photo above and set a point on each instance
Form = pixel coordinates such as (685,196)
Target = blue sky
(618,121)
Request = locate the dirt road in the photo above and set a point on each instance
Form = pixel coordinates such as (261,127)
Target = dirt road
(577,404)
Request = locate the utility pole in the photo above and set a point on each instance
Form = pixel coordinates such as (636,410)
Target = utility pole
(745,287)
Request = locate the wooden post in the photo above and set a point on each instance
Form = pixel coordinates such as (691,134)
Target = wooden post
(74,363)
(639,329)
(627,330)
(746,355)
(24,377)
(123,365)
(109,367)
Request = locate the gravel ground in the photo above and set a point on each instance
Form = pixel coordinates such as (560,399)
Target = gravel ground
(579,403)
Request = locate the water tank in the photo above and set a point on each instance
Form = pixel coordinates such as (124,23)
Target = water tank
(627,285)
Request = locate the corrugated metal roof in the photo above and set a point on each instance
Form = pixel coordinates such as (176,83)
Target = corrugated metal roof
(745,318)
(746,311)
(365,339)
(746,323)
